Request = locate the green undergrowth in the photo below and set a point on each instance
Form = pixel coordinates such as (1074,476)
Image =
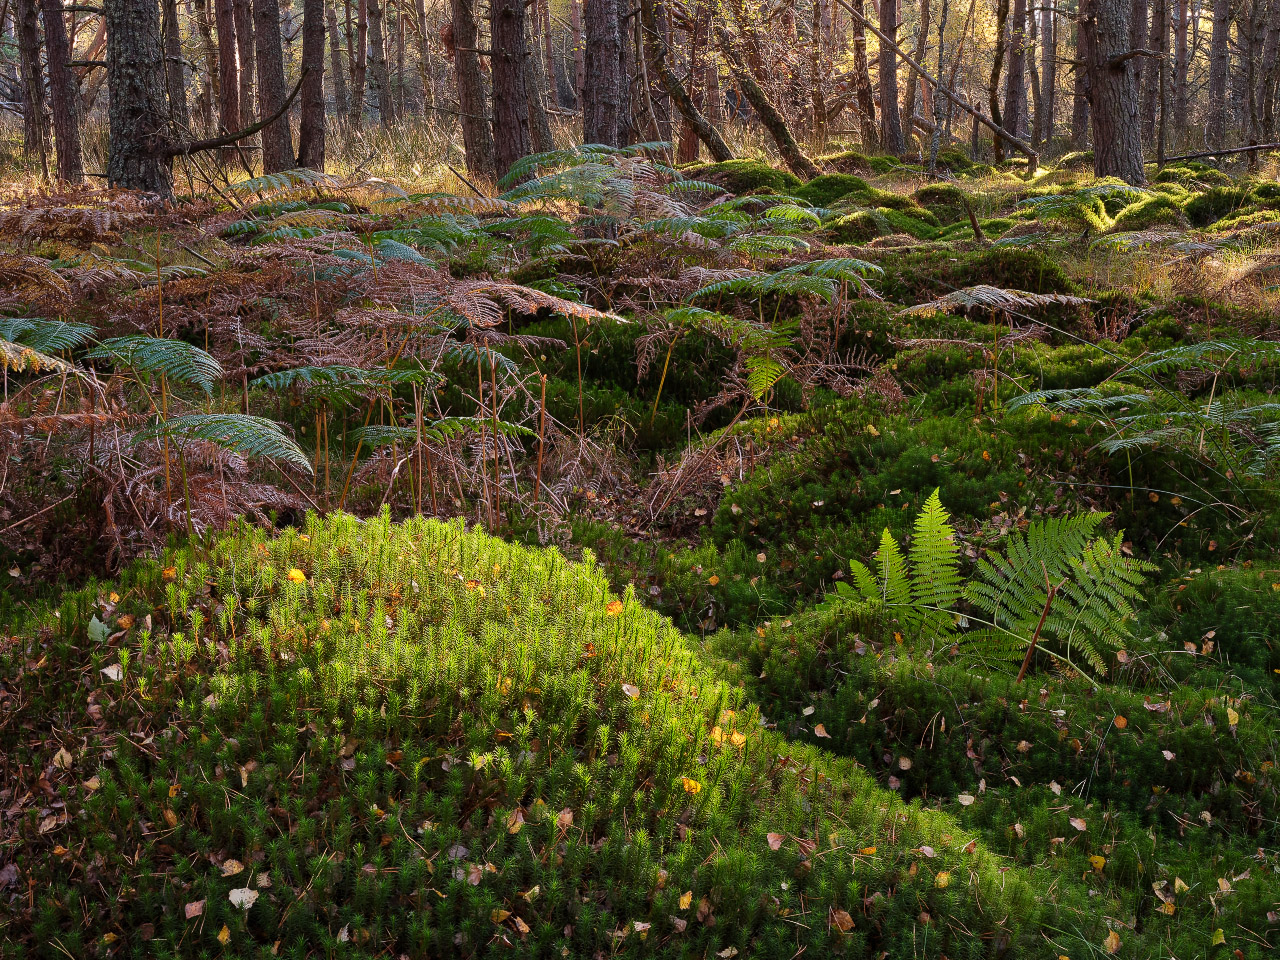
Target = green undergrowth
(373,738)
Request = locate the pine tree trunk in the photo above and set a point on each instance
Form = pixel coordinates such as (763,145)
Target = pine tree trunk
(424,60)
(477,137)
(699,38)
(378,63)
(35,118)
(209,81)
(1117,140)
(511,136)
(890,121)
(816,78)
(1049,70)
(174,68)
(997,65)
(1015,81)
(913,78)
(228,72)
(1158,40)
(361,70)
(62,94)
(1138,39)
(602,88)
(1270,73)
(277,138)
(536,91)
(627,129)
(1080,91)
(341,105)
(311,128)
(1033,76)
(870,129)
(1219,61)
(579,51)
(1180,72)
(544,18)
(658,55)
(137,113)
(247,47)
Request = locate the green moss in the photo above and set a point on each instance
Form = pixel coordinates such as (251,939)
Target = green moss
(901,222)
(824,190)
(943,200)
(921,276)
(856,228)
(1192,173)
(1216,203)
(1249,219)
(746,176)
(1154,211)
(846,161)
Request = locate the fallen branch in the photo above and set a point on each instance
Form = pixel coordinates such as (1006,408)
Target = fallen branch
(1222,153)
(213,143)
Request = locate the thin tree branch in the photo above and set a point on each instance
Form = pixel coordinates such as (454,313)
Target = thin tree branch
(213,143)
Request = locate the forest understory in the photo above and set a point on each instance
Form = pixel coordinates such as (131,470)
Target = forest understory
(635,560)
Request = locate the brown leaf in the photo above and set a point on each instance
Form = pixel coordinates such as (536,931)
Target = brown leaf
(1112,943)
(193,909)
(775,840)
(841,920)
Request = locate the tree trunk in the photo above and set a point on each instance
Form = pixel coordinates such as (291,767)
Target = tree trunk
(1080,91)
(1117,140)
(228,72)
(816,78)
(361,70)
(602,88)
(35,119)
(247,47)
(536,91)
(424,59)
(579,53)
(890,121)
(935,136)
(866,97)
(627,129)
(1180,73)
(1033,75)
(210,86)
(1048,71)
(477,137)
(137,114)
(341,105)
(703,128)
(62,94)
(277,138)
(1015,86)
(1138,40)
(1270,73)
(1158,40)
(510,97)
(311,128)
(378,79)
(913,78)
(767,113)
(548,51)
(1219,60)
(997,65)
(174,68)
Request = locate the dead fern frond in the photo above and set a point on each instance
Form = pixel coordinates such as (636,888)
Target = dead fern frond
(983,296)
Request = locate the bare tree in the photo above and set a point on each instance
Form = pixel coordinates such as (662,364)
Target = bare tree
(862,82)
(174,67)
(1015,85)
(340,102)
(62,94)
(477,137)
(890,121)
(602,87)
(35,116)
(360,62)
(311,129)
(228,71)
(378,78)
(1219,60)
(510,97)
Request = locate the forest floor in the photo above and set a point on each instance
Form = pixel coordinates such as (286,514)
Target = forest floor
(641,561)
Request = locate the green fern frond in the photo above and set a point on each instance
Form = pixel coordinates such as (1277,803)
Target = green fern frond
(44,335)
(176,359)
(243,434)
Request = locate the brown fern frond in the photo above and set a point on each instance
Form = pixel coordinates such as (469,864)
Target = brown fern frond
(983,296)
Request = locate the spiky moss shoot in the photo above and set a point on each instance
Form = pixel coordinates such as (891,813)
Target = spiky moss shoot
(437,739)
(1192,173)
(845,161)
(1216,203)
(824,190)
(900,222)
(746,176)
(1154,211)
(1251,219)
(944,200)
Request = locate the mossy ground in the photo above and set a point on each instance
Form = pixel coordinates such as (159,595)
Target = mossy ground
(404,737)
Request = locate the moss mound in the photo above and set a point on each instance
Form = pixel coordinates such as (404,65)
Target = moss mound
(857,228)
(746,176)
(1154,211)
(945,201)
(1216,203)
(411,739)
(920,276)
(824,190)
(1192,173)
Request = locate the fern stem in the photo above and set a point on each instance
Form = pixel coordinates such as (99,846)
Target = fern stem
(542,430)
(497,467)
(665,363)
(1044,615)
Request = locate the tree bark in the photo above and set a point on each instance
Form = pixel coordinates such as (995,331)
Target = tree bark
(477,137)
(705,131)
(341,105)
(602,87)
(311,128)
(62,94)
(548,51)
(997,65)
(816,77)
(277,138)
(768,114)
(1117,141)
(137,113)
(891,140)
(1015,85)
(1158,40)
(536,91)
(870,129)
(510,96)
(209,81)
(1219,60)
(361,63)
(35,119)
(228,71)
(1048,70)
(1080,91)
(424,59)
(174,67)
(378,78)
(579,53)
(909,89)
(1138,39)
(247,47)
(1180,72)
